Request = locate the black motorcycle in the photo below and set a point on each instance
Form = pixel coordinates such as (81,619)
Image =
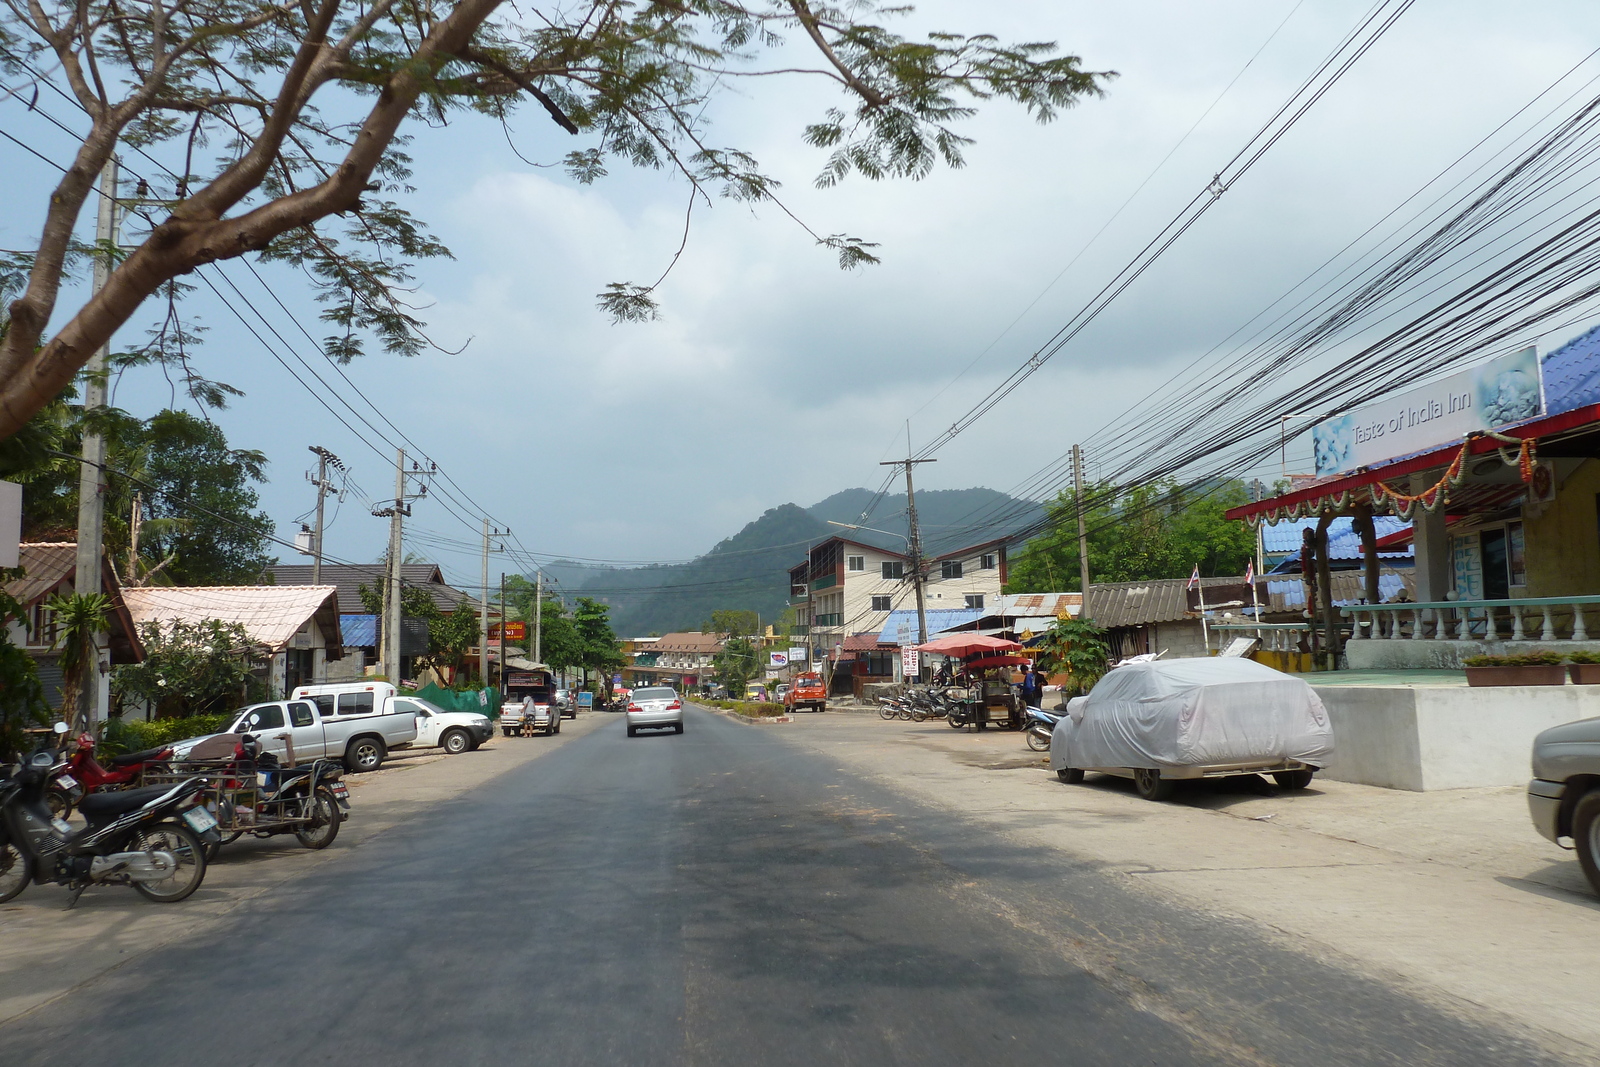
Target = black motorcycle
(154,838)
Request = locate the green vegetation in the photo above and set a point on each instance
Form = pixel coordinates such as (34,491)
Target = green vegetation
(1520,659)
(190,669)
(1076,647)
(736,663)
(752,708)
(22,703)
(1154,531)
(80,619)
(133,735)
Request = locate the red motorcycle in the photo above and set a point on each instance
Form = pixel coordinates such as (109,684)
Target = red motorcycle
(82,774)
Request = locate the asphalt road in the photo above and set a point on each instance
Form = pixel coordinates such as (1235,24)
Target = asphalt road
(725,897)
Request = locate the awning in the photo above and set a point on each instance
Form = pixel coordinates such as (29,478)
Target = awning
(983,663)
(1383,489)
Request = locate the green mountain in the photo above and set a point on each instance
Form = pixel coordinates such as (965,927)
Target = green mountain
(750,569)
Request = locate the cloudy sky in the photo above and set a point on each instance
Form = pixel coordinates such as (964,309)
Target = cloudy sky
(772,376)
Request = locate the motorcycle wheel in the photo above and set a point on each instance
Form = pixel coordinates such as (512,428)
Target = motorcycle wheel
(16,871)
(325,820)
(955,723)
(60,802)
(191,854)
(885,711)
(1037,743)
(905,714)
(919,715)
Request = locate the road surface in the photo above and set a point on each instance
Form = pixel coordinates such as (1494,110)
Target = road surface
(726,897)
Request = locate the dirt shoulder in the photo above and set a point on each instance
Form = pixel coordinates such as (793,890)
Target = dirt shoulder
(1450,894)
(47,951)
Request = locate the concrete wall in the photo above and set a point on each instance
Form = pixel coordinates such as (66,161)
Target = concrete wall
(1563,537)
(1444,737)
(1448,655)
(1179,640)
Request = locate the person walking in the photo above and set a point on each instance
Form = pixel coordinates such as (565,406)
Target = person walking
(1033,684)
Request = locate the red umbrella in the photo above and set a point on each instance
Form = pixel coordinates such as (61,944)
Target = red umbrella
(965,644)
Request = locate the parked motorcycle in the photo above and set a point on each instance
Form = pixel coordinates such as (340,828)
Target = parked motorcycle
(82,774)
(153,839)
(1041,728)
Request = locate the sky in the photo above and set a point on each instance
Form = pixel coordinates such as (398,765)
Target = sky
(771,375)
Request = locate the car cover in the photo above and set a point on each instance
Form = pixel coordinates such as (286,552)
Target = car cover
(1193,713)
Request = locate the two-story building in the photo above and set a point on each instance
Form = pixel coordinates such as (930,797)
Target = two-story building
(846,587)
(677,659)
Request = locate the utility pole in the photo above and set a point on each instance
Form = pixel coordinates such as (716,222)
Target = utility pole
(483,613)
(91,474)
(1083,534)
(391,594)
(538,616)
(325,459)
(915,542)
(502,635)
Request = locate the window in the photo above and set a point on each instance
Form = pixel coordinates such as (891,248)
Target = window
(300,713)
(882,603)
(267,718)
(975,601)
(412,705)
(324,703)
(894,569)
(879,664)
(1514,554)
(950,568)
(355,703)
(986,563)
(855,563)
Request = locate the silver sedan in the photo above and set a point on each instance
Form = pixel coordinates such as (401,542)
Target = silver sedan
(654,708)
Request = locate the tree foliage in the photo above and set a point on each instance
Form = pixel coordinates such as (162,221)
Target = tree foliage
(1154,531)
(80,620)
(735,622)
(274,129)
(22,701)
(1076,647)
(196,496)
(736,663)
(191,668)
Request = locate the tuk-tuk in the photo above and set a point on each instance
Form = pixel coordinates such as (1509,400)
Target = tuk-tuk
(756,692)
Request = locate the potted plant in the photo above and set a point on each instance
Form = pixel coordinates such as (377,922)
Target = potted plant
(1527,668)
(1584,667)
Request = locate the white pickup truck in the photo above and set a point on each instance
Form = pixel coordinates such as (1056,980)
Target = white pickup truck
(356,724)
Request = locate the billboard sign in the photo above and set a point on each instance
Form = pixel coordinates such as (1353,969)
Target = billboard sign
(911,660)
(516,630)
(797,653)
(1503,390)
(777,659)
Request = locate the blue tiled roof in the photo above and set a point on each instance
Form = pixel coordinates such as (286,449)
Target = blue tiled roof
(1572,373)
(901,626)
(1285,536)
(360,631)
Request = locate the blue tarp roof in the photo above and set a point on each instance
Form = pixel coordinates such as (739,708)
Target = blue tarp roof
(1285,536)
(901,626)
(360,631)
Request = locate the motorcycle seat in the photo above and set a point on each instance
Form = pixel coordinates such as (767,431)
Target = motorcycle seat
(136,757)
(103,805)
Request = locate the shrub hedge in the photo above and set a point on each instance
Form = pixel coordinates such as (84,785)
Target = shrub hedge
(133,735)
(752,708)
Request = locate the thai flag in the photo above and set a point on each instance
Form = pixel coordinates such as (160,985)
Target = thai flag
(1194,579)
(1250,572)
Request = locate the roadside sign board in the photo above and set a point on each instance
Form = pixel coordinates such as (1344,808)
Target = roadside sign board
(912,660)
(777,659)
(516,630)
(797,653)
(586,700)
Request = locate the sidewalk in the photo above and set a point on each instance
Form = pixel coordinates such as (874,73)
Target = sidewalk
(1450,894)
(47,951)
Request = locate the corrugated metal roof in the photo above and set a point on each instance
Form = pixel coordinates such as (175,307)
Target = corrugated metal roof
(1286,536)
(1114,604)
(270,614)
(690,641)
(1349,587)
(350,577)
(1039,604)
(863,642)
(360,631)
(1572,373)
(900,628)
(46,565)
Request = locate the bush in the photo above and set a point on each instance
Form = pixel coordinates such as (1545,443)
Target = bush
(1521,659)
(754,709)
(133,735)
(1583,657)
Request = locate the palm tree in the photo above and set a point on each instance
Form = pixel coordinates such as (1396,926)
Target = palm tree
(80,619)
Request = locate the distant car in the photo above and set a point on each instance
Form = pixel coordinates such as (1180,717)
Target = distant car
(777,694)
(1163,721)
(654,707)
(808,691)
(1564,796)
(565,701)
